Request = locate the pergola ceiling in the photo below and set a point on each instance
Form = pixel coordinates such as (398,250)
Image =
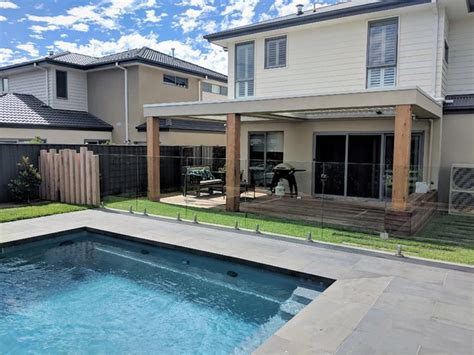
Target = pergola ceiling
(357,105)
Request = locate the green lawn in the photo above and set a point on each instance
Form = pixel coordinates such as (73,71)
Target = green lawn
(33,211)
(448,238)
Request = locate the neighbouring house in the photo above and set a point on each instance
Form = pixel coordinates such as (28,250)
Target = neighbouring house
(378,95)
(56,98)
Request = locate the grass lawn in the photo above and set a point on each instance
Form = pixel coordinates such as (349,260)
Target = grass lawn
(33,211)
(448,238)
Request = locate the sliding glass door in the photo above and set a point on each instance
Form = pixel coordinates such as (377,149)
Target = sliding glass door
(416,165)
(363,168)
(265,152)
(330,160)
(360,165)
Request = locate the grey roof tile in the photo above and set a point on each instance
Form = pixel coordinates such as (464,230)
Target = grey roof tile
(26,111)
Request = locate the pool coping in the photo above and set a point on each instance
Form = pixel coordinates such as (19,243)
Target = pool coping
(316,243)
(326,325)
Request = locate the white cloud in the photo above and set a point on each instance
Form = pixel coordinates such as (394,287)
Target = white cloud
(77,18)
(81,27)
(36,36)
(97,48)
(239,13)
(193,18)
(29,48)
(3,18)
(8,56)
(209,56)
(151,16)
(8,5)
(40,29)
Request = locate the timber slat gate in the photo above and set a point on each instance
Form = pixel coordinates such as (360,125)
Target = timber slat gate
(70,177)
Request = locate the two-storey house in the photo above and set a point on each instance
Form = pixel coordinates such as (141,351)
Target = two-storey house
(372,95)
(74,98)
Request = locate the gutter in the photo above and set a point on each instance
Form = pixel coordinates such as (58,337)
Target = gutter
(125,75)
(47,81)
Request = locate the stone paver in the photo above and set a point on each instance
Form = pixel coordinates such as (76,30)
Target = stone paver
(375,306)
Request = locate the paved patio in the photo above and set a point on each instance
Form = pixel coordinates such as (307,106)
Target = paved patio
(377,305)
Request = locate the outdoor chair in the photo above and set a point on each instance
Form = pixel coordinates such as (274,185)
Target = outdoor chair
(199,178)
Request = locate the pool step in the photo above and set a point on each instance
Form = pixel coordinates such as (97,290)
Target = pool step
(305,295)
(290,308)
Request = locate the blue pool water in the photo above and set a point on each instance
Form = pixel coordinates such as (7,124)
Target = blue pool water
(101,295)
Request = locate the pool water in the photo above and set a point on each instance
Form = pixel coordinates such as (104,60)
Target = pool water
(87,293)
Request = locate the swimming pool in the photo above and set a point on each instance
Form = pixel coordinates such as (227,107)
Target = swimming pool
(91,293)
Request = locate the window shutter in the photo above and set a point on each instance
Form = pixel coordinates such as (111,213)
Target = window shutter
(282,52)
(275,52)
(244,70)
(382,53)
(271,54)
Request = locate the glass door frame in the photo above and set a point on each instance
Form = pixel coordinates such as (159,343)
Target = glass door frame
(265,147)
(383,135)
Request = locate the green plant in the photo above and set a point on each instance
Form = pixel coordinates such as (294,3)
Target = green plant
(26,182)
(36,140)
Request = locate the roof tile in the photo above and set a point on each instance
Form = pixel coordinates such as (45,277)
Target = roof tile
(22,111)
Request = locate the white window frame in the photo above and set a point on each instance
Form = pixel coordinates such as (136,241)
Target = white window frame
(175,81)
(236,80)
(5,79)
(67,84)
(395,66)
(271,39)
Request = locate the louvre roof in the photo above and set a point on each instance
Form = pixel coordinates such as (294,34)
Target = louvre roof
(143,55)
(26,111)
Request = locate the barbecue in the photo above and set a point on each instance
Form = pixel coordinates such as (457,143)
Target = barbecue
(287,172)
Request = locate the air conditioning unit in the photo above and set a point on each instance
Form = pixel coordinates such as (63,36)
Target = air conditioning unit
(461,194)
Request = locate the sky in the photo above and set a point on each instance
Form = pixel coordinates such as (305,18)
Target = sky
(30,29)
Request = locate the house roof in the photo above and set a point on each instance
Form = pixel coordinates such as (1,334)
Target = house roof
(142,55)
(26,111)
(187,125)
(322,14)
(459,104)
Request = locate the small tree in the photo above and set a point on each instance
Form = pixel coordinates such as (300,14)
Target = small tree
(27,181)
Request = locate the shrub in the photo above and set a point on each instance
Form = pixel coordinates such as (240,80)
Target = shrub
(26,182)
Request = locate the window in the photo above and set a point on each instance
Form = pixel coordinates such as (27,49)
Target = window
(275,52)
(175,80)
(96,141)
(61,84)
(446,52)
(244,70)
(382,53)
(4,84)
(215,89)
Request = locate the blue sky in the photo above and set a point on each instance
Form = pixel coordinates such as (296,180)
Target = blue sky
(29,29)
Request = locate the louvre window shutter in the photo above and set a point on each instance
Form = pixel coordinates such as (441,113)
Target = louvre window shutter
(275,52)
(244,70)
(282,52)
(382,53)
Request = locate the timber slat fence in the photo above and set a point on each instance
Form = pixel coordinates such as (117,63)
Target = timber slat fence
(123,168)
(69,176)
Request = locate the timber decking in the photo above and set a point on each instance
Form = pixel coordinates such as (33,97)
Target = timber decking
(359,215)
